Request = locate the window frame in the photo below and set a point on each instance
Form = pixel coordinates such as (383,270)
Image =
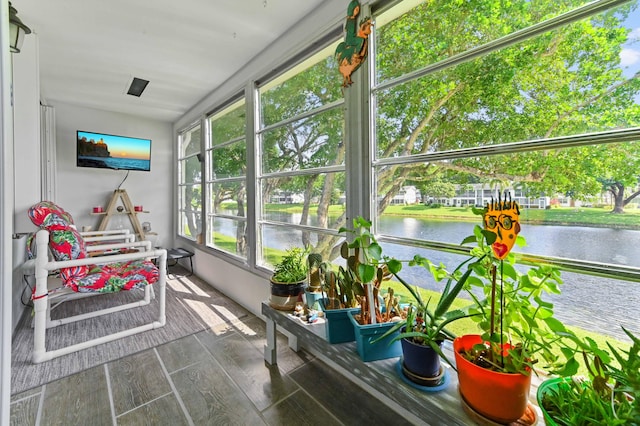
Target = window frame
(285,73)
(615,271)
(360,161)
(181,185)
(233,103)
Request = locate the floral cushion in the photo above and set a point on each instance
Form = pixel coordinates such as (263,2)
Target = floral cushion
(47,214)
(114,277)
(66,243)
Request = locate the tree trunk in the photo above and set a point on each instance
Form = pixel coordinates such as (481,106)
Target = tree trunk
(241,231)
(617,190)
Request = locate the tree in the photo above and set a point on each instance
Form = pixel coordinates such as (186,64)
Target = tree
(616,188)
(192,180)
(438,189)
(567,81)
(228,162)
(304,144)
(564,82)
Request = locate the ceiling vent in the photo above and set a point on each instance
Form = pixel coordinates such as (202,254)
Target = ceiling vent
(137,86)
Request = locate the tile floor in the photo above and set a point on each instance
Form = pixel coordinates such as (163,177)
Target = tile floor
(211,377)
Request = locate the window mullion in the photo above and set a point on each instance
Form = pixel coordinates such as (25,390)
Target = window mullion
(253,162)
(359,185)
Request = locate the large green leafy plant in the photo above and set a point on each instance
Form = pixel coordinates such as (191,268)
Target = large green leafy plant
(365,264)
(517,321)
(292,267)
(340,286)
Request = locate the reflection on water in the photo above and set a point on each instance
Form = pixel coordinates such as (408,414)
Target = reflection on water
(599,304)
(607,245)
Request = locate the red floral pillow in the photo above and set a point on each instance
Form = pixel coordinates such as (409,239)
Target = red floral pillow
(65,241)
(48,215)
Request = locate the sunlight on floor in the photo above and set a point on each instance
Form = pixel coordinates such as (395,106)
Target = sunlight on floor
(194,288)
(177,286)
(234,320)
(207,315)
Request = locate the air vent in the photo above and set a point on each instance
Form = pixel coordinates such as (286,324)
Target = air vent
(137,86)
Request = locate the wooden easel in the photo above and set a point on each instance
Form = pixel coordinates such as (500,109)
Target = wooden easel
(121,194)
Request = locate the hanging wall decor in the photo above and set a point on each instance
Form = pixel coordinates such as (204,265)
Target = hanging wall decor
(352,52)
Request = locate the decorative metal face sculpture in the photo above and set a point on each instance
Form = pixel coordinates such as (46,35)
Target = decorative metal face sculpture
(502,217)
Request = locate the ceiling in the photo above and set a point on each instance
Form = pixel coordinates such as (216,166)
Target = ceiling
(90,50)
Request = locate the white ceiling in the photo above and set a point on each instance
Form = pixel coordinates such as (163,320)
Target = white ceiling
(89,50)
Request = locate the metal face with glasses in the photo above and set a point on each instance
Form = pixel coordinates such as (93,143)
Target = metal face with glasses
(505,222)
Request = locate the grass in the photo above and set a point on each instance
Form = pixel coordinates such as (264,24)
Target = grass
(585,216)
(228,244)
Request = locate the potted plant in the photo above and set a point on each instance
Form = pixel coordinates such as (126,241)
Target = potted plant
(342,292)
(424,331)
(518,327)
(289,279)
(369,270)
(609,395)
(315,272)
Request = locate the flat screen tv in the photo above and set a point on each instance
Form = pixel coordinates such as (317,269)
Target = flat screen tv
(100,150)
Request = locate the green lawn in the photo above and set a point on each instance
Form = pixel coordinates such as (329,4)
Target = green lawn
(227,243)
(556,216)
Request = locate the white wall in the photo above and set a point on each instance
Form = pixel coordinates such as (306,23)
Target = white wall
(78,189)
(26,159)
(26,116)
(6,212)
(246,288)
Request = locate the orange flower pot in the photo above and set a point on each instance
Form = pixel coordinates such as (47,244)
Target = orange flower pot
(502,397)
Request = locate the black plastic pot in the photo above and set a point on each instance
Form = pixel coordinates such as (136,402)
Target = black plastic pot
(285,296)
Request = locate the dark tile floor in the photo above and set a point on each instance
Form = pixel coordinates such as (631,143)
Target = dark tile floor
(211,377)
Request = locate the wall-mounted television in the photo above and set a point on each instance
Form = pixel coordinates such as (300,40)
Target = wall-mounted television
(104,151)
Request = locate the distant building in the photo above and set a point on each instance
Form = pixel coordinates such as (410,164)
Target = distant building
(480,194)
(406,196)
(286,197)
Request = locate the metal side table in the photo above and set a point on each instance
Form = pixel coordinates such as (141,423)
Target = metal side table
(175,254)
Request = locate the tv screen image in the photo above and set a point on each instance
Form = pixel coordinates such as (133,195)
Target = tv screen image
(104,151)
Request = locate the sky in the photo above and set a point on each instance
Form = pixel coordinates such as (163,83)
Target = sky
(630,54)
(122,146)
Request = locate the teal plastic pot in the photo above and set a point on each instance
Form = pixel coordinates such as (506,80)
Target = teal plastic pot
(338,325)
(365,336)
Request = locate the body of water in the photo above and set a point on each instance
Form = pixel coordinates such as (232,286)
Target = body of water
(117,163)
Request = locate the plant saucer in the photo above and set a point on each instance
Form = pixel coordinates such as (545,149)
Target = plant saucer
(426,385)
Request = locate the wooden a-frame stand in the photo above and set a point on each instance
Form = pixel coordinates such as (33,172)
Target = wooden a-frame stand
(121,194)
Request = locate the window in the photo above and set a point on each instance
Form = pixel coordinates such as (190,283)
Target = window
(466,101)
(301,177)
(189,184)
(226,180)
